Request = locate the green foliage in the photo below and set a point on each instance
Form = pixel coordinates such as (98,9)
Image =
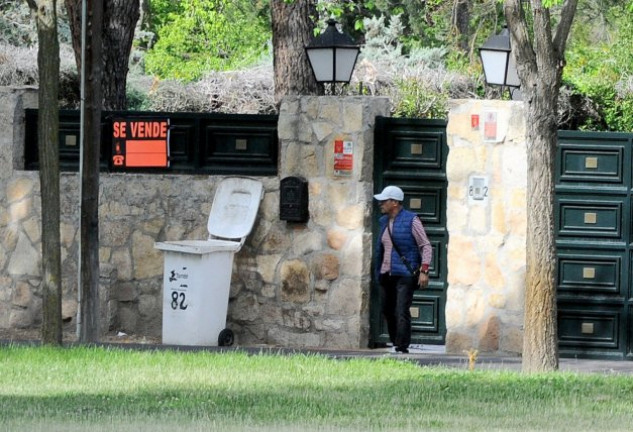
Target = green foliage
(616,111)
(137,100)
(383,43)
(421,86)
(598,59)
(418,100)
(425,23)
(17,27)
(382,39)
(161,11)
(199,36)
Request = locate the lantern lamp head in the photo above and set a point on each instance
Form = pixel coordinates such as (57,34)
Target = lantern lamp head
(332,55)
(498,61)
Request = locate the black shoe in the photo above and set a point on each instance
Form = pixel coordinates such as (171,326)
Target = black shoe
(402,350)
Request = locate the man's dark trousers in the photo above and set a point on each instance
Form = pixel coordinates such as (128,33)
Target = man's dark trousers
(397,297)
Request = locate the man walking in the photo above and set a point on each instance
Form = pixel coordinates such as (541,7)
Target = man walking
(403,255)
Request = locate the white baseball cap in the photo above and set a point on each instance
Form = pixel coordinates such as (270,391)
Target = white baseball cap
(390,192)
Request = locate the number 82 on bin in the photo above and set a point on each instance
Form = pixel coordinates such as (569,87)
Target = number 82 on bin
(178,300)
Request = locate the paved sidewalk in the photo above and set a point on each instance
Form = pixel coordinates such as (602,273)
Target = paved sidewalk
(435,355)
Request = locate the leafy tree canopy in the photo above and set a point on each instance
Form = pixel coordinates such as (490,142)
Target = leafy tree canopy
(198,36)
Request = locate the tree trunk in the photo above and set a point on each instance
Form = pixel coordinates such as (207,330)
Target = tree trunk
(540,338)
(73,9)
(143,23)
(48,127)
(461,22)
(88,323)
(540,58)
(120,17)
(292,31)
(540,343)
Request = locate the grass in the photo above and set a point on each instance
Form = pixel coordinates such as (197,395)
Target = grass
(99,389)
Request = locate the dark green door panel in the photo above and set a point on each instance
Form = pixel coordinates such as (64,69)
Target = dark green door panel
(594,215)
(587,329)
(590,217)
(428,200)
(593,159)
(411,154)
(415,150)
(585,272)
(437,263)
(426,312)
(586,164)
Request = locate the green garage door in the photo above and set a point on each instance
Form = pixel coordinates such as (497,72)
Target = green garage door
(594,239)
(411,154)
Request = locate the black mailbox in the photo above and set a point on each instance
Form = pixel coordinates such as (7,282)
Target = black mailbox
(293,199)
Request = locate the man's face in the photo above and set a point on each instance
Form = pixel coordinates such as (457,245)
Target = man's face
(385,206)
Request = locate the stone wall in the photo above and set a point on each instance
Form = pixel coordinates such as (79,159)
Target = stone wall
(299,285)
(293,284)
(487,237)
(19,216)
(308,284)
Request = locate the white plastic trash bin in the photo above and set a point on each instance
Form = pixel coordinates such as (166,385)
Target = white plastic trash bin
(197,273)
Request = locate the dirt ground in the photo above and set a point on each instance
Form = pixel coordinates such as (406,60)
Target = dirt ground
(69,335)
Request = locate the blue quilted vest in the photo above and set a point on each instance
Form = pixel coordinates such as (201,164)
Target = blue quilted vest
(401,233)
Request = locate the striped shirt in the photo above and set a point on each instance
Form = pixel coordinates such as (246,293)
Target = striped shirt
(426,251)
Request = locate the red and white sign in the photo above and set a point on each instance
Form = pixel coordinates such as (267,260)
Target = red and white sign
(490,126)
(343,157)
(138,143)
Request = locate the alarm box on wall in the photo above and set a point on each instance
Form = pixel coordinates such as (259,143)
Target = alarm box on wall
(293,199)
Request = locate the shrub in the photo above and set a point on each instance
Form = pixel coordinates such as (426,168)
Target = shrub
(418,83)
(415,98)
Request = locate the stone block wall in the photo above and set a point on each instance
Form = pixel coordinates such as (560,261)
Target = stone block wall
(293,284)
(299,285)
(20,263)
(307,284)
(487,237)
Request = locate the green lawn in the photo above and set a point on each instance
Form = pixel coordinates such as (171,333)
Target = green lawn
(98,389)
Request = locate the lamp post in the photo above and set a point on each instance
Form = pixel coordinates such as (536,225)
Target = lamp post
(498,63)
(332,56)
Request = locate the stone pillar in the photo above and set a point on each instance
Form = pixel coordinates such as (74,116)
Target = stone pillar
(20,305)
(13,102)
(486,221)
(316,275)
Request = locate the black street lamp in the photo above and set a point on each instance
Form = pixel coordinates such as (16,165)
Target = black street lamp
(332,55)
(498,62)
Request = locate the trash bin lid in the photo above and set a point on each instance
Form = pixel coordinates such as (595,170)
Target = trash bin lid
(198,247)
(234,208)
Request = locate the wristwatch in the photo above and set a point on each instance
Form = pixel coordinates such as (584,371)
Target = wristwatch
(426,272)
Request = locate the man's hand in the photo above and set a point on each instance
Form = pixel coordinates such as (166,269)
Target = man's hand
(423,280)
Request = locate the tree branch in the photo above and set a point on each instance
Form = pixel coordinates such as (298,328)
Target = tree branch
(521,44)
(543,46)
(564,26)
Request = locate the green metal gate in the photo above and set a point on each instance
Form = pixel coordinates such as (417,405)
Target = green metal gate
(411,154)
(594,241)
